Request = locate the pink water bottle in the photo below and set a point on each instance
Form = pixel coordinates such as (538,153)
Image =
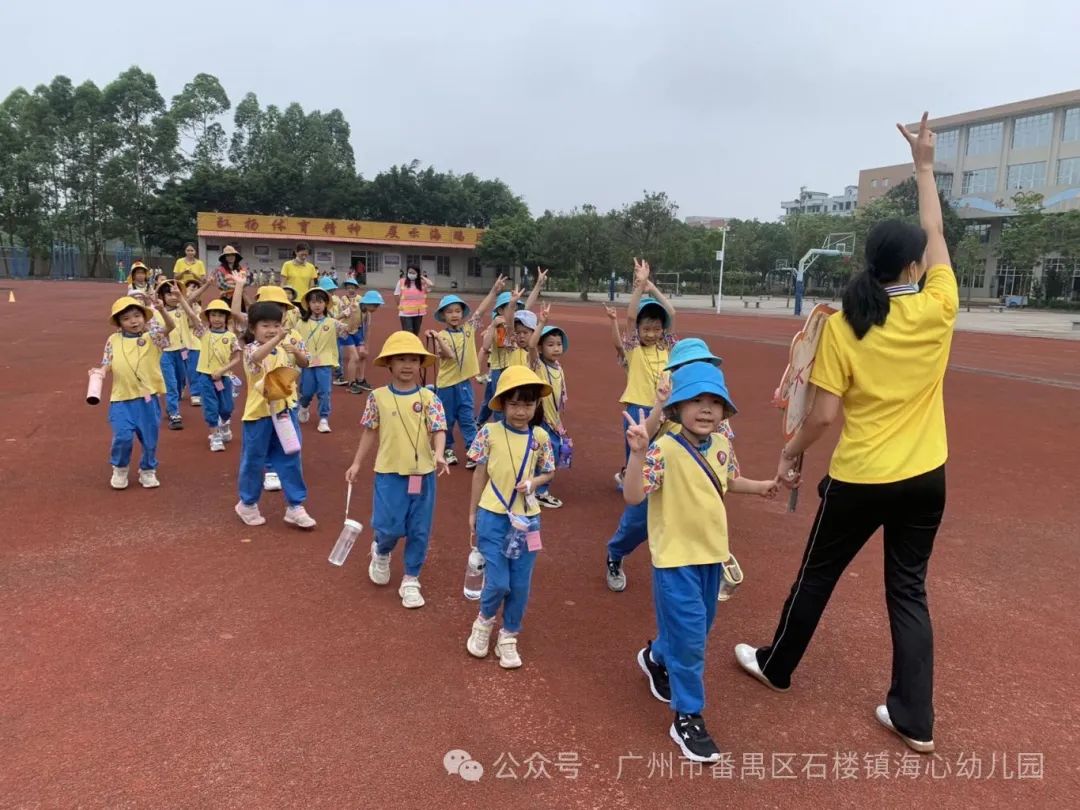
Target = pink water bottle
(286,432)
(93,388)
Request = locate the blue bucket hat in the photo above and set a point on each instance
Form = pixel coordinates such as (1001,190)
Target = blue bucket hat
(447,300)
(555,330)
(699,378)
(504,299)
(373,298)
(649,301)
(526,319)
(327,284)
(690,350)
(351,282)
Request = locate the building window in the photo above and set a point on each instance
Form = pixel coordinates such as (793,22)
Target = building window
(1026,175)
(442,265)
(1032,130)
(944,183)
(284,254)
(980,181)
(1068,171)
(982,230)
(1011,281)
(984,139)
(1071,130)
(476,270)
(946,144)
(873,184)
(213,250)
(412,260)
(885,182)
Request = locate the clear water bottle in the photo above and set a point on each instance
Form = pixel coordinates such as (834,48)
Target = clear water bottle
(474,575)
(236,383)
(349,532)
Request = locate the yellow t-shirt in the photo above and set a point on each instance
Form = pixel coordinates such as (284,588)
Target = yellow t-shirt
(216,350)
(196,268)
(136,366)
(320,338)
(500,355)
(891,385)
(257,407)
(503,452)
(553,376)
(687,518)
(291,319)
(464,364)
(301,277)
(193,341)
(180,336)
(644,365)
(405,422)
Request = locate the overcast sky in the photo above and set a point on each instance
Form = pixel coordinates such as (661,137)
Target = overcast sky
(728,107)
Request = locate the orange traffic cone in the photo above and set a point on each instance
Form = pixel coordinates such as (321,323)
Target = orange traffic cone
(11,296)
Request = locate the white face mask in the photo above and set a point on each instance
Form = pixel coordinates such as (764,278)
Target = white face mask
(412,276)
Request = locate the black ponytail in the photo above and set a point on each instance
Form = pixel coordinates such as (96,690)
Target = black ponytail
(891,247)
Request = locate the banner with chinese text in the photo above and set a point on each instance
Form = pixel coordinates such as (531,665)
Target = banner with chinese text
(254,225)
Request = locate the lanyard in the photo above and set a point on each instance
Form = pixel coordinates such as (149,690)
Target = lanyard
(419,425)
(139,352)
(216,360)
(653,367)
(700,459)
(551,382)
(460,359)
(311,337)
(521,470)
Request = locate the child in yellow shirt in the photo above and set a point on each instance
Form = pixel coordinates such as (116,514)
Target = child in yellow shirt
(643,351)
(546,345)
(174,358)
(321,333)
(219,354)
(513,460)
(407,421)
(133,355)
(685,477)
(192,288)
(459,363)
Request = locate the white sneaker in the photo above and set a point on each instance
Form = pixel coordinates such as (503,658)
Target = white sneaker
(249,514)
(506,651)
(919,746)
(747,658)
(149,479)
(619,480)
(271,482)
(225,428)
(196,401)
(410,593)
(303,414)
(217,444)
(379,568)
(324,426)
(298,516)
(479,638)
(119,478)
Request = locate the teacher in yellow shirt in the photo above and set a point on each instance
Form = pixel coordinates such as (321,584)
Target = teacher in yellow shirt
(190,263)
(298,272)
(882,362)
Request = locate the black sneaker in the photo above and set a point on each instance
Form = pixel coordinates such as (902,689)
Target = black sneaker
(470,465)
(340,381)
(656,673)
(689,733)
(616,579)
(356,388)
(176,423)
(451,458)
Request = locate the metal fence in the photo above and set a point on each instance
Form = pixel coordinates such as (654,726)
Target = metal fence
(67,261)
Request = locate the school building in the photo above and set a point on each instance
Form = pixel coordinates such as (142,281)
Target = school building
(982,159)
(378,252)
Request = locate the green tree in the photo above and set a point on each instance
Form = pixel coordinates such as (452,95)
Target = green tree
(644,226)
(969,261)
(1024,237)
(195,111)
(511,240)
(580,243)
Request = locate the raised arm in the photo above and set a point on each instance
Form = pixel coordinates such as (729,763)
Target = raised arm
(239,280)
(264,350)
(534,339)
(534,296)
(654,291)
(493,293)
(616,337)
(198,293)
(922,153)
(641,278)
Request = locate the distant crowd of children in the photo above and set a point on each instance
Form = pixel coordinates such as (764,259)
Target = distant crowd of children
(284,348)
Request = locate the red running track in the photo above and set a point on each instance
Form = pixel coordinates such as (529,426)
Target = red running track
(156,652)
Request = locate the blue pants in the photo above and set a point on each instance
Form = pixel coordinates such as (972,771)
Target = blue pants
(396,514)
(632,532)
(556,444)
(457,401)
(190,371)
(131,418)
(260,450)
(316,380)
(172,369)
(489,391)
(506,582)
(635,411)
(685,602)
(217,405)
